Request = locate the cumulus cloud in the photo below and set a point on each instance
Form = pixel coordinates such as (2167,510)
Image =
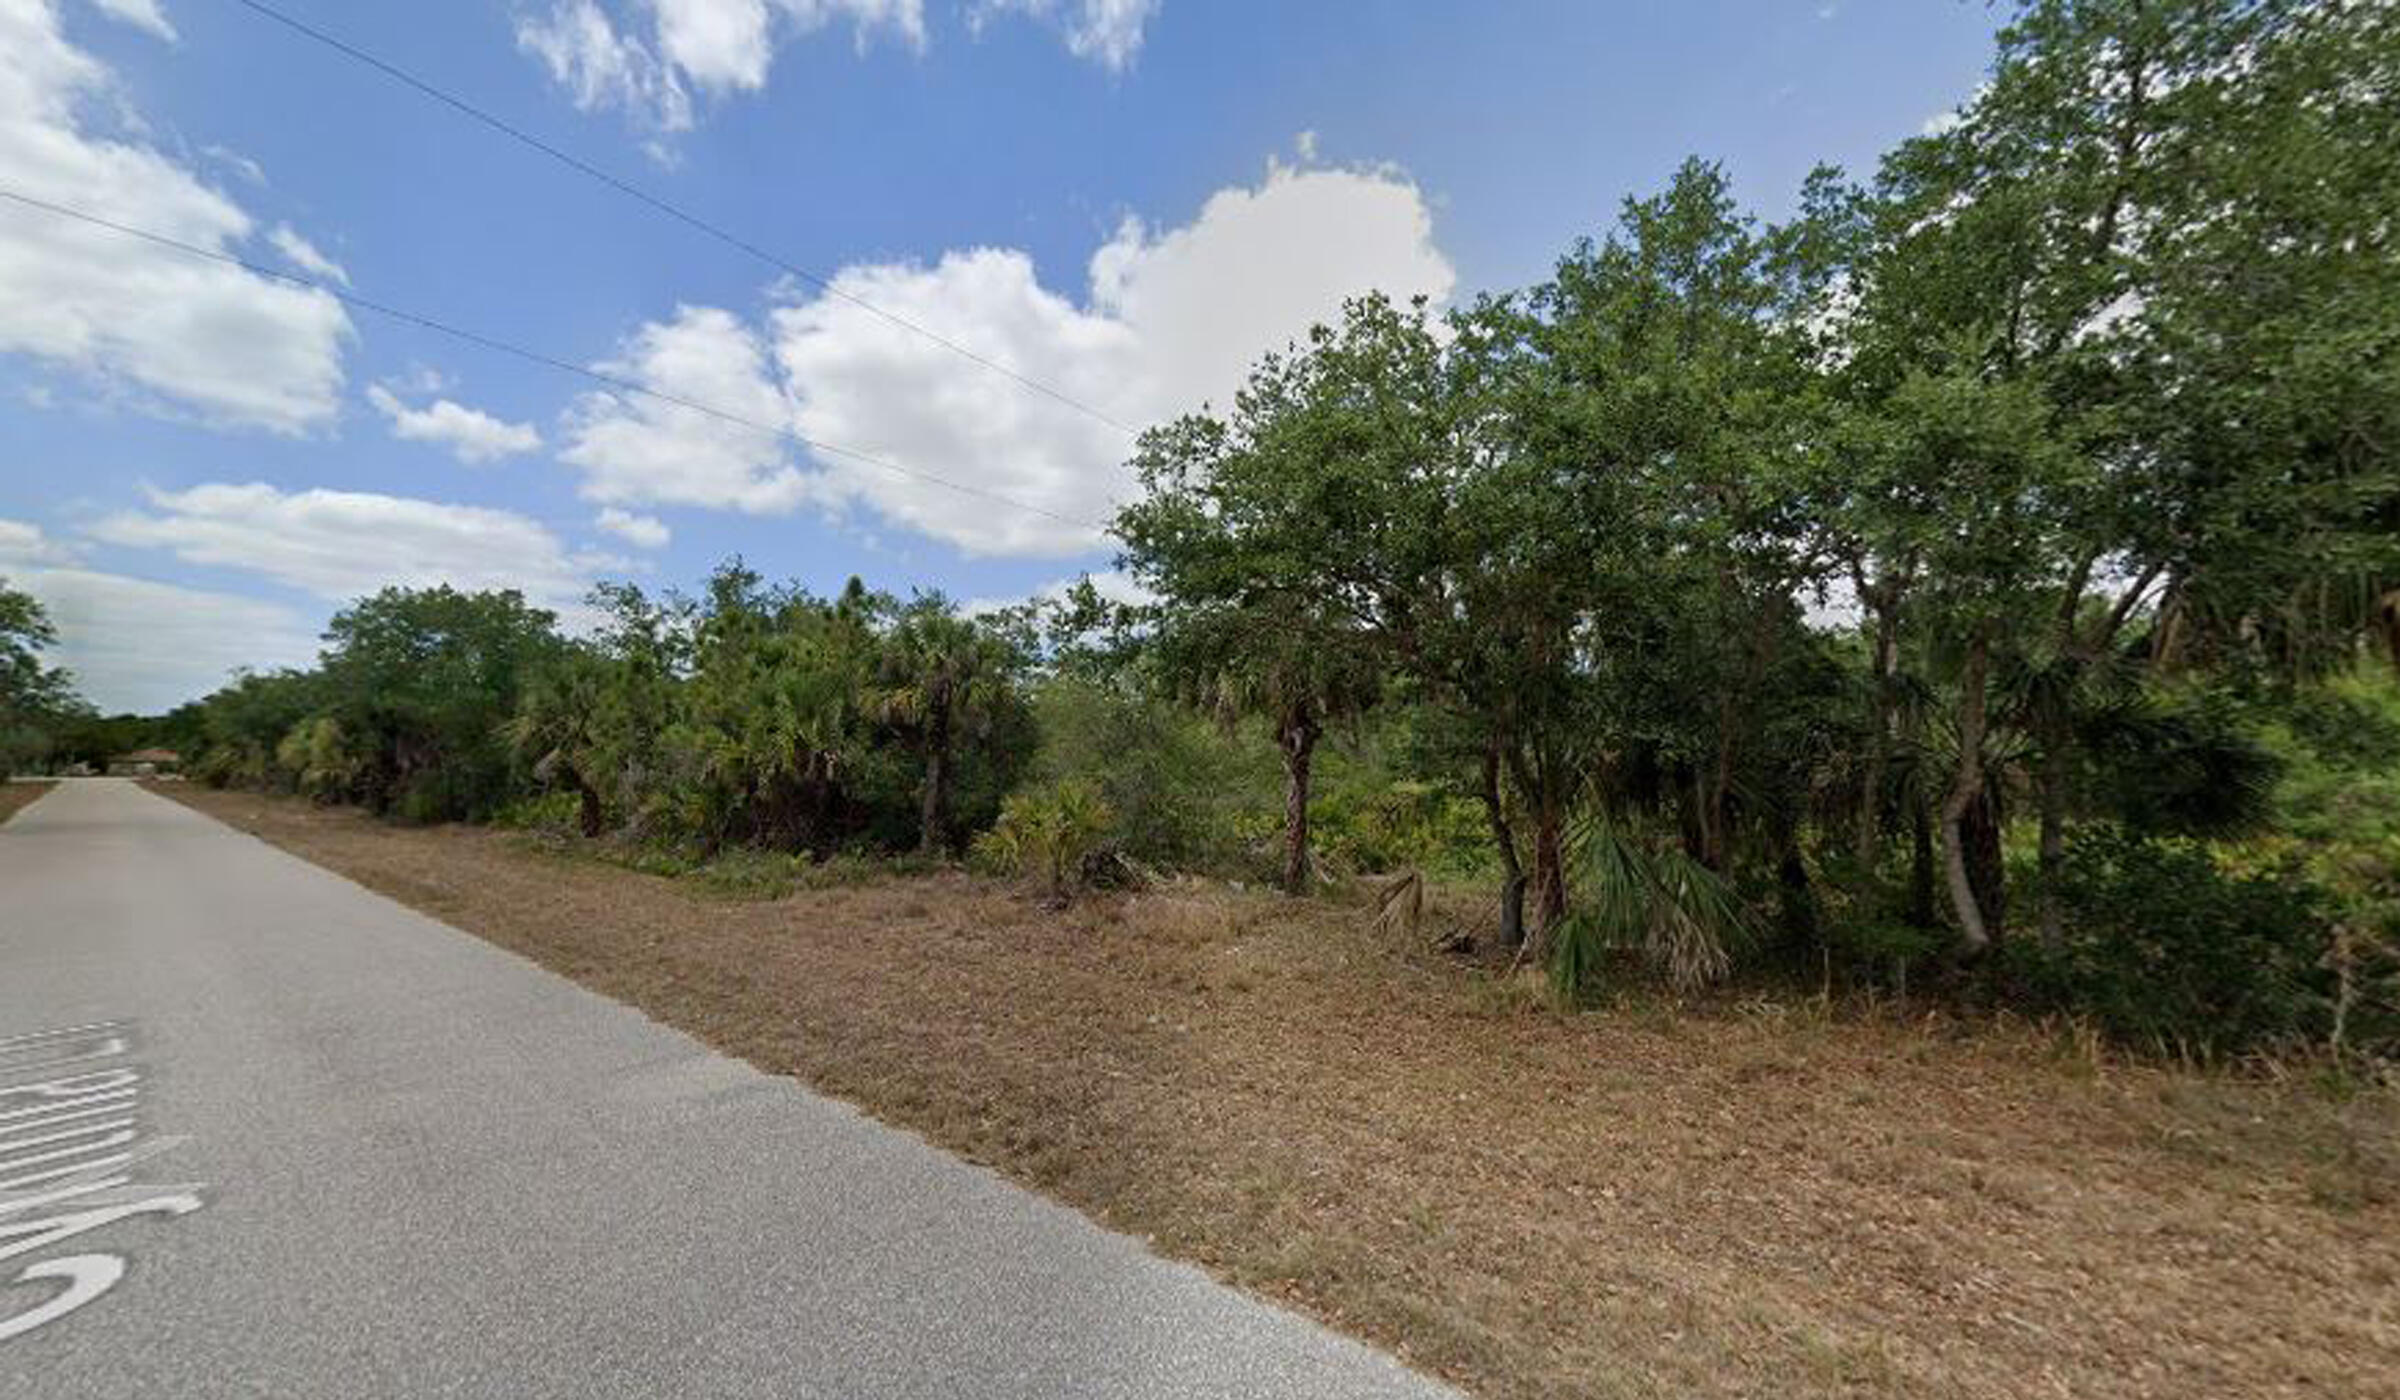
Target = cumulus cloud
(161,328)
(1171,318)
(341,545)
(635,449)
(470,434)
(641,531)
(138,645)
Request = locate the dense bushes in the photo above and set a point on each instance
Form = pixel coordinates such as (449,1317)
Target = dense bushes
(2166,951)
(756,716)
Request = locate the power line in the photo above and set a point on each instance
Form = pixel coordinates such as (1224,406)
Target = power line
(670,209)
(477,338)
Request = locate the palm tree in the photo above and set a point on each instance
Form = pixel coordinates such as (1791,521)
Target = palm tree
(554,727)
(1278,658)
(944,678)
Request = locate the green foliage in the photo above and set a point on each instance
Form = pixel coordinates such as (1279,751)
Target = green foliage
(244,724)
(755,717)
(946,685)
(37,702)
(2166,952)
(552,814)
(1650,900)
(321,759)
(423,682)
(2002,524)
(1370,820)
(1179,788)
(1046,834)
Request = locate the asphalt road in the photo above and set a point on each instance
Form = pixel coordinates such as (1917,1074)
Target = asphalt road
(264,1133)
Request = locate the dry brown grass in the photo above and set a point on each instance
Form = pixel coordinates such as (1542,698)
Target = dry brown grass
(16,796)
(1742,1200)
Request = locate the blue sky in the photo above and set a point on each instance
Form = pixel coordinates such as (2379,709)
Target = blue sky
(1126,199)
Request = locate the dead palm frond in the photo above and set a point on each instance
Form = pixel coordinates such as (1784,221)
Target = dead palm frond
(1400,904)
(1649,898)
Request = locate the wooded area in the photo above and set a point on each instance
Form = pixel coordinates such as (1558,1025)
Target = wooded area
(1985,583)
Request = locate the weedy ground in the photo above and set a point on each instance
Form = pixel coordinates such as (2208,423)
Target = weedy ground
(1743,1198)
(15,796)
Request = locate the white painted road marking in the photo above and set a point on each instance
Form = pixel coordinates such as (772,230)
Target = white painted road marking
(92,1112)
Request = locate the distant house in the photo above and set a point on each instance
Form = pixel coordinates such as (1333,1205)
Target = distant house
(143,763)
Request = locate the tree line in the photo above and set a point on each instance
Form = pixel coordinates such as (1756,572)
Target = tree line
(1951,575)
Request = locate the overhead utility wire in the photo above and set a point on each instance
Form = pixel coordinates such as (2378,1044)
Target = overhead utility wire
(477,338)
(670,209)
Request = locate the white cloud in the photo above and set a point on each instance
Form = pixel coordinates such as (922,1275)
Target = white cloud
(169,331)
(24,543)
(141,14)
(601,68)
(142,646)
(250,171)
(471,434)
(1115,585)
(305,255)
(1943,123)
(636,450)
(606,59)
(1172,318)
(342,545)
(651,58)
(641,531)
(1108,32)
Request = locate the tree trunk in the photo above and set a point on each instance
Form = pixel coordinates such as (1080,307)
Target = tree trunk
(593,817)
(1920,867)
(933,818)
(1870,796)
(1974,937)
(1299,741)
(1512,883)
(2052,798)
(1798,899)
(1987,866)
(1549,865)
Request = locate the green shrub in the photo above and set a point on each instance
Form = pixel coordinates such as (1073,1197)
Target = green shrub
(550,813)
(1648,899)
(1046,834)
(319,759)
(1367,817)
(1182,792)
(2165,951)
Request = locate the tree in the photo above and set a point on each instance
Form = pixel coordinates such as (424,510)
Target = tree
(1282,660)
(35,700)
(424,680)
(558,729)
(1284,541)
(2115,285)
(941,679)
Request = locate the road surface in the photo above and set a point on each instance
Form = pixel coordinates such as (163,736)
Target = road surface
(264,1133)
